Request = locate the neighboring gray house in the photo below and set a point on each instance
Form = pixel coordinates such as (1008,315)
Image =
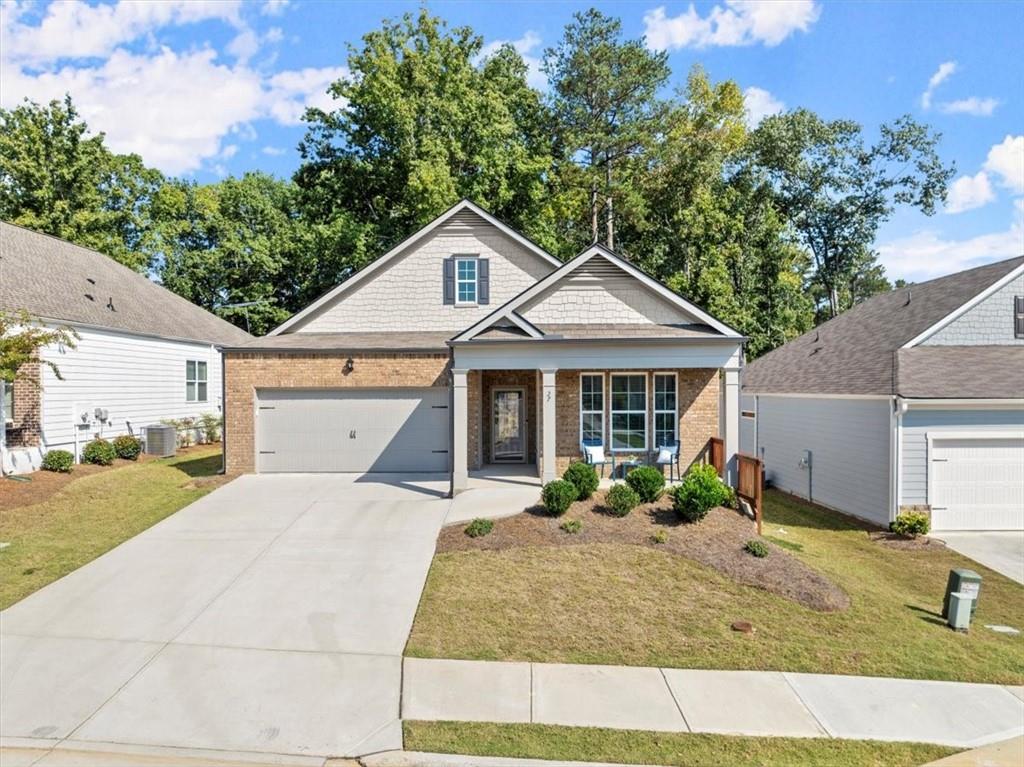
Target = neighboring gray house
(914,398)
(144,354)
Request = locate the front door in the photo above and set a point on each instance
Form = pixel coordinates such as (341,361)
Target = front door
(508,430)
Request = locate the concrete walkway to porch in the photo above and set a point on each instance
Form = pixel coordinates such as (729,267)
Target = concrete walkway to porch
(761,703)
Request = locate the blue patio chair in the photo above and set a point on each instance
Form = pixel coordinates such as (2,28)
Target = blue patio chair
(668,455)
(595,454)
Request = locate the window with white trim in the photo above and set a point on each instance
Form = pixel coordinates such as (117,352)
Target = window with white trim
(666,410)
(195,381)
(465,280)
(7,390)
(592,407)
(629,412)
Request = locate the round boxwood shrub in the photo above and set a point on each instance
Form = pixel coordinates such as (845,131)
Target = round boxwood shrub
(700,491)
(100,452)
(757,548)
(584,476)
(58,460)
(910,524)
(127,447)
(621,500)
(479,527)
(648,483)
(558,496)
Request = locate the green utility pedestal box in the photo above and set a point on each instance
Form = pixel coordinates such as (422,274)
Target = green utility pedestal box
(960,607)
(968,583)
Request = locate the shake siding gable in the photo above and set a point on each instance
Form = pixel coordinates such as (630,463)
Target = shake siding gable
(409,292)
(988,323)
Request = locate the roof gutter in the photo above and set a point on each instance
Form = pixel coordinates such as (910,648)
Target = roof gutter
(651,341)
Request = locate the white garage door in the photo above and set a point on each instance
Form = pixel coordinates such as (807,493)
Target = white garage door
(353,430)
(977,483)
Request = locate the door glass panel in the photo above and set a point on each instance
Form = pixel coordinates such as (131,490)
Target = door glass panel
(508,425)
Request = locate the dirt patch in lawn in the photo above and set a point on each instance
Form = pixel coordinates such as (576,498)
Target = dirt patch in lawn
(903,543)
(41,485)
(717,542)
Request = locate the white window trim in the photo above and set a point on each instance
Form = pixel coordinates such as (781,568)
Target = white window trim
(475,281)
(8,412)
(604,408)
(197,380)
(612,411)
(674,411)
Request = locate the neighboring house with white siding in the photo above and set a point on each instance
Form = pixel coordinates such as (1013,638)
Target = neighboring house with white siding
(912,399)
(144,354)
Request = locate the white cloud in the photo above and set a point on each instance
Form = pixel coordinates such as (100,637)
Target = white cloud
(969,192)
(926,254)
(525,47)
(738,22)
(1006,160)
(273,151)
(759,104)
(944,72)
(970,106)
(291,93)
(274,7)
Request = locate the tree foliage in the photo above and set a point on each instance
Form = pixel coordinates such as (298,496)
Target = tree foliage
(22,336)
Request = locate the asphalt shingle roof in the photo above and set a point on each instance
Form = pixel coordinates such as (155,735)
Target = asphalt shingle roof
(856,352)
(58,280)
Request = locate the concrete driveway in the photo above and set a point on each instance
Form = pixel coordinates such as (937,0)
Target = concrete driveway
(999,551)
(270,617)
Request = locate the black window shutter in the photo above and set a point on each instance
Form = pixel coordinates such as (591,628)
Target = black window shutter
(449,281)
(1018,316)
(483,281)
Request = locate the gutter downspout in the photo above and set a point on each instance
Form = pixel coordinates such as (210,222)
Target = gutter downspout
(223,411)
(899,408)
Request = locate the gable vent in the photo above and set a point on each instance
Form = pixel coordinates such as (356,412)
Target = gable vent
(464,219)
(597,268)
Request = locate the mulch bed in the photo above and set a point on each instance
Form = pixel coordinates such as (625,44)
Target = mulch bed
(717,542)
(903,543)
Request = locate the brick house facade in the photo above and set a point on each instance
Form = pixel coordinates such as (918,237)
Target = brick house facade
(25,427)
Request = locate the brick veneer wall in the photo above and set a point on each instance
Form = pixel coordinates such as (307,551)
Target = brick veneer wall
(26,429)
(697,402)
(244,372)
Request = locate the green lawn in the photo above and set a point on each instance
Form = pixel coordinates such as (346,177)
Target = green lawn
(92,515)
(634,605)
(540,741)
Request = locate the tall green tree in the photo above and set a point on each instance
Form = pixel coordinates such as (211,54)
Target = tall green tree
(421,122)
(835,190)
(604,96)
(58,179)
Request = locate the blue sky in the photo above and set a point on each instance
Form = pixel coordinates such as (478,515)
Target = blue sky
(206,88)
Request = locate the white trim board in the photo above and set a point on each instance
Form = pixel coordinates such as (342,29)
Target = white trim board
(509,308)
(371,268)
(808,395)
(964,308)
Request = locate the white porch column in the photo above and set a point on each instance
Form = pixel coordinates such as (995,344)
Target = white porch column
(730,421)
(549,470)
(460,431)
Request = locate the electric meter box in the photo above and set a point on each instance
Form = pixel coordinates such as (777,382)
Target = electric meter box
(966,582)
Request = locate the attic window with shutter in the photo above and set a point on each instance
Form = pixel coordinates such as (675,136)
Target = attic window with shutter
(466,280)
(1018,316)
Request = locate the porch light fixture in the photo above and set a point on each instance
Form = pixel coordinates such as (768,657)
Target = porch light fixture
(349,366)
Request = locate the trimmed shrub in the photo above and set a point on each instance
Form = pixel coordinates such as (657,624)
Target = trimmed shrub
(660,537)
(648,483)
(127,447)
(584,477)
(758,548)
(571,526)
(479,527)
(910,524)
(209,425)
(700,491)
(58,460)
(621,500)
(558,496)
(100,452)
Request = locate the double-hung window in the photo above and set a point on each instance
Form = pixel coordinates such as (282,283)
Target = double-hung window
(629,412)
(592,407)
(666,411)
(195,381)
(465,280)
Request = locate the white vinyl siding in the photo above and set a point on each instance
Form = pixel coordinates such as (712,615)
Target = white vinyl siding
(592,406)
(918,422)
(849,444)
(629,412)
(666,412)
(748,424)
(196,381)
(465,280)
(137,379)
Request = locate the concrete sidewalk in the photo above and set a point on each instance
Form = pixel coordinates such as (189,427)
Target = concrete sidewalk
(727,702)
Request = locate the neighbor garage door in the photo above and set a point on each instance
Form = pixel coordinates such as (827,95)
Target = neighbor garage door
(353,430)
(977,483)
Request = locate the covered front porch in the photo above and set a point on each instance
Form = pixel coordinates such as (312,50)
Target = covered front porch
(519,416)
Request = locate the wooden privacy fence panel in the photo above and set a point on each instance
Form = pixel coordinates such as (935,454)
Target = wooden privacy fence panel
(750,483)
(716,455)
